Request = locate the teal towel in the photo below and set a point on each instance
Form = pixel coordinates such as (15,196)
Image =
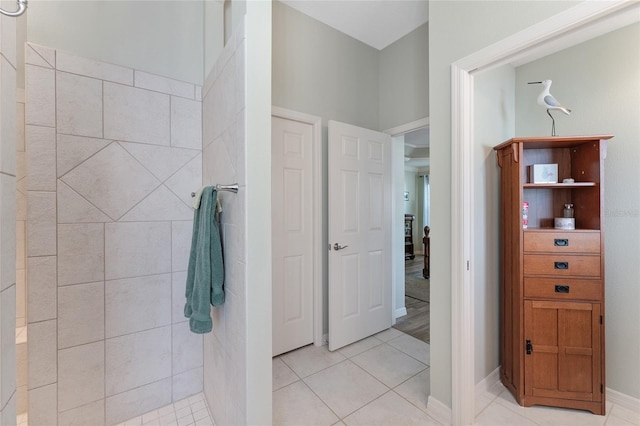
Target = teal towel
(205,276)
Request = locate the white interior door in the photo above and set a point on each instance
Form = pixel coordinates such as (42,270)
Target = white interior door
(359,233)
(292,234)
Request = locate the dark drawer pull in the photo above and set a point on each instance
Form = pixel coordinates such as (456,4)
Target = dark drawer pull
(561,242)
(562,288)
(561,265)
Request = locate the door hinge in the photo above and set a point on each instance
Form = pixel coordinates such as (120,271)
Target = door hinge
(529,347)
(601,388)
(600,319)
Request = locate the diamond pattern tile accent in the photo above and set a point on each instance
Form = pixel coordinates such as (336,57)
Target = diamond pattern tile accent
(161,161)
(112,180)
(73,150)
(162,204)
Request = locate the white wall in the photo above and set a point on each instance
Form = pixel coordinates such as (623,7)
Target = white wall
(404,79)
(494,123)
(457,29)
(320,71)
(236,118)
(160,37)
(600,81)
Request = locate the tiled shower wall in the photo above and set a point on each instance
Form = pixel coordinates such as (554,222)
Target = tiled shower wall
(224,162)
(113,156)
(7,220)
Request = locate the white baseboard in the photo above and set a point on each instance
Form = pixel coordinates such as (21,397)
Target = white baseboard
(438,411)
(623,400)
(400,312)
(488,383)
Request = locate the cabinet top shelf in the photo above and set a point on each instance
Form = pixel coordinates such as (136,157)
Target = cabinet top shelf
(559,185)
(552,141)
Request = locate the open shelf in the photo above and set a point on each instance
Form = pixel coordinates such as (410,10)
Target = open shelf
(560,185)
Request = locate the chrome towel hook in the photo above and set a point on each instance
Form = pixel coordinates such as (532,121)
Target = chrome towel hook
(22,6)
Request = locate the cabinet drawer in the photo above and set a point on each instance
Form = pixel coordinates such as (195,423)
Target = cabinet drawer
(562,265)
(562,242)
(558,288)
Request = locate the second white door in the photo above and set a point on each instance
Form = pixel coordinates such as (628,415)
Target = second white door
(292,234)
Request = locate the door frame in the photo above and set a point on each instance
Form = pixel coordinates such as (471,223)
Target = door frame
(318,204)
(580,23)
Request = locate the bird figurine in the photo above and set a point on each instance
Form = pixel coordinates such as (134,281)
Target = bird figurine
(546,99)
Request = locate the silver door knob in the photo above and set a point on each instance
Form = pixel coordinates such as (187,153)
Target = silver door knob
(337,247)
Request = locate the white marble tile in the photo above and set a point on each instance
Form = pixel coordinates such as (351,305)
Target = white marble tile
(311,359)
(240,72)
(41,224)
(161,204)
(198,93)
(241,148)
(296,404)
(499,415)
(21,297)
(92,68)
(138,401)
(181,234)
(46,53)
(41,96)
(78,105)
(43,354)
(360,346)
(162,84)
(187,180)
(43,408)
(345,387)
(73,208)
(42,288)
(218,163)
(137,248)
(22,400)
(388,334)
(389,409)
(162,161)
(178,298)
(413,347)
(41,158)
(8,107)
(80,253)
(112,180)
(416,390)
(89,414)
(80,375)
(7,231)
(80,314)
(388,364)
(73,150)
(136,115)
(282,374)
(137,359)
(187,383)
(22,367)
(8,38)
(136,304)
(187,348)
(32,57)
(618,413)
(186,123)
(8,344)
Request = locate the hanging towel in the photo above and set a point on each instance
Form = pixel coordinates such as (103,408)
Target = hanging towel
(205,276)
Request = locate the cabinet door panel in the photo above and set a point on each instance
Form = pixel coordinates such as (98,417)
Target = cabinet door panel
(565,350)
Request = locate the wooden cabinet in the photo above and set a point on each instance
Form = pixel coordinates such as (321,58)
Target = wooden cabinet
(552,280)
(408,236)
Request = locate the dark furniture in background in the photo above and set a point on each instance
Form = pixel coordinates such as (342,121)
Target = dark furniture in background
(408,236)
(427,252)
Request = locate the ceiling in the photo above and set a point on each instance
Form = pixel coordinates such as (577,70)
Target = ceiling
(416,148)
(377,23)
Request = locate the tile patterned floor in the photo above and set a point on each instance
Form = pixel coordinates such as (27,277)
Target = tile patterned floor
(381,380)
(384,380)
(190,411)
